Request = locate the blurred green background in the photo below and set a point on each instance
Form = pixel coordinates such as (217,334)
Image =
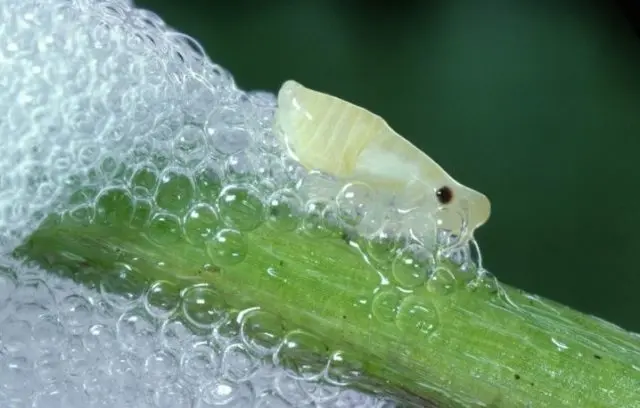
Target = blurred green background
(535,104)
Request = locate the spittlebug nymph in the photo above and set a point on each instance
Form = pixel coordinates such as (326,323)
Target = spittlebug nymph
(328,134)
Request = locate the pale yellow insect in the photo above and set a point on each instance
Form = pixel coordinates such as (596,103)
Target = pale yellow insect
(325,133)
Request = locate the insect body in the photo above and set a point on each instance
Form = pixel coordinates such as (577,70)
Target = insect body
(325,133)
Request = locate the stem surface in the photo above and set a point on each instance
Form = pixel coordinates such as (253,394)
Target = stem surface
(445,341)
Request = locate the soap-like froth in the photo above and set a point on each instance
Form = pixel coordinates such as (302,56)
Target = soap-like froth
(85,80)
(65,345)
(86,86)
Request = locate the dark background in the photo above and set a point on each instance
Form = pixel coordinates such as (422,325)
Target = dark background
(534,103)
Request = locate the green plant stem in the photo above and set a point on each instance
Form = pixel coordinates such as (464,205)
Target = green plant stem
(450,344)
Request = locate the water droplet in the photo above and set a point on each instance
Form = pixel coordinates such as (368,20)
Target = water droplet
(330,216)
(174,333)
(240,167)
(385,305)
(229,329)
(28,311)
(314,223)
(35,291)
(290,389)
(83,214)
(321,393)
(201,224)
(76,313)
(261,331)
(123,287)
(88,155)
(200,362)
(417,315)
(442,281)
(208,181)
(190,146)
(162,299)
(228,247)
(135,330)
(412,266)
(101,338)
(141,213)
(227,130)
(451,220)
(228,394)
(114,206)
(164,229)
(238,364)
(144,180)
(111,167)
(269,171)
(284,210)
(83,194)
(485,282)
(240,207)
(161,365)
(344,369)
(175,191)
(104,309)
(172,395)
(381,248)
(352,201)
(303,355)
(202,306)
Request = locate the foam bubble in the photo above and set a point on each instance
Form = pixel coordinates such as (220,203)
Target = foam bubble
(90,82)
(104,103)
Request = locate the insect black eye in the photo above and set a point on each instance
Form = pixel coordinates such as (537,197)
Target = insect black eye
(444,195)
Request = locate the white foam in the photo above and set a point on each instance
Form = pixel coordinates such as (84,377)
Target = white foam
(82,81)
